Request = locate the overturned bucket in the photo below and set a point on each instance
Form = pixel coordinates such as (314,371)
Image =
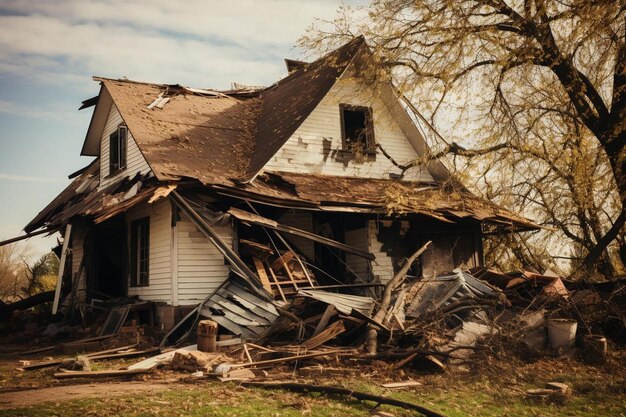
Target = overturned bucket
(562,333)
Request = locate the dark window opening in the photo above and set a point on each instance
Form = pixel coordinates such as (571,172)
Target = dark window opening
(117,150)
(357,129)
(139,250)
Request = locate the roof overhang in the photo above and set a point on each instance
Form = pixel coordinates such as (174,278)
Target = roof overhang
(91,145)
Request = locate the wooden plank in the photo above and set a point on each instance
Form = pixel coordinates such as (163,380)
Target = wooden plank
(403,384)
(101,374)
(282,260)
(291,358)
(262,221)
(280,290)
(328,313)
(329,333)
(260,269)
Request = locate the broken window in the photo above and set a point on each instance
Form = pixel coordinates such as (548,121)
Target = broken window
(139,250)
(117,150)
(357,128)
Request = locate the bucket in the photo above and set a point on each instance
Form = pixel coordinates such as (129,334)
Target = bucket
(562,333)
(207,336)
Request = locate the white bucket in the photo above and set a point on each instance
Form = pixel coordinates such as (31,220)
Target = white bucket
(562,332)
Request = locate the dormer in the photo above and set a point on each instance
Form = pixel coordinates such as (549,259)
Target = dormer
(110,138)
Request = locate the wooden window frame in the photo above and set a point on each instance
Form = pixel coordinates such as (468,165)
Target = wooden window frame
(120,137)
(139,256)
(370,140)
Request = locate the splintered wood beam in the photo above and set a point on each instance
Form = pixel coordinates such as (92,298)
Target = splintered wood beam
(277,285)
(26,236)
(101,374)
(291,358)
(246,216)
(324,336)
(260,270)
(57,290)
(203,226)
(328,313)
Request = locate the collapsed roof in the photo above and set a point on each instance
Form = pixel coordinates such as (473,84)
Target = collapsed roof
(223,139)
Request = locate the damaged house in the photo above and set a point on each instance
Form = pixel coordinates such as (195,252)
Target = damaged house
(240,200)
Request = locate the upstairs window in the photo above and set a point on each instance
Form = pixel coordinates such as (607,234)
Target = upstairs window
(117,150)
(139,251)
(357,129)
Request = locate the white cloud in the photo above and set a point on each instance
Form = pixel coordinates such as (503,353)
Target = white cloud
(206,44)
(59,116)
(25,178)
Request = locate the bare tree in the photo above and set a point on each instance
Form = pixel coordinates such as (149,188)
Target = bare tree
(13,270)
(534,90)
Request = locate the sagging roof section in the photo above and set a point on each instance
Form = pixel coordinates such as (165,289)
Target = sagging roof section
(83,198)
(334,193)
(223,139)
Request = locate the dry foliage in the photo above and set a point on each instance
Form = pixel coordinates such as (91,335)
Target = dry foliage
(530,96)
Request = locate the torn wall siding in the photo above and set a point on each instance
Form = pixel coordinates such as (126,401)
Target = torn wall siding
(135,162)
(200,266)
(382,266)
(316,146)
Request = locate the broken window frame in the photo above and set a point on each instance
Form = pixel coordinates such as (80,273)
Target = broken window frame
(117,150)
(370,142)
(139,245)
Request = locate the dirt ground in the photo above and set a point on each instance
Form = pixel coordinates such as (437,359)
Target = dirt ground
(24,398)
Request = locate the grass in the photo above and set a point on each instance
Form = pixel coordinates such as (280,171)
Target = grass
(478,398)
(496,389)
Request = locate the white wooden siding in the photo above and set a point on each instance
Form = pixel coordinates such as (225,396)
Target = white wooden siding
(201,267)
(159,272)
(135,162)
(358,238)
(302,220)
(304,151)
(382,266)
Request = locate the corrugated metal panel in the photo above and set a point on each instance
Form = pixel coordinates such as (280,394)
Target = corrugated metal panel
(344,303)
(239,311)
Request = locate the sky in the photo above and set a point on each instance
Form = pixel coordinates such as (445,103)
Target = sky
(49,50)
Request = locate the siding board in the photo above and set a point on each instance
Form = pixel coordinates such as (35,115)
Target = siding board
(135,162)
(201,267)
(159,273)
(304,152)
